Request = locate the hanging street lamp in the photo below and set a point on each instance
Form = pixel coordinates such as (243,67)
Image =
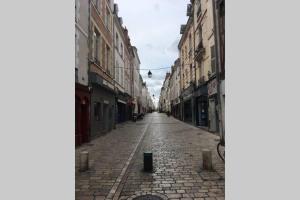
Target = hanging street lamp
(149,74)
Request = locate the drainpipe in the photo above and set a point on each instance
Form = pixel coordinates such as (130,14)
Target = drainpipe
(114,70)
(89,69)
(195,108)
(217,53)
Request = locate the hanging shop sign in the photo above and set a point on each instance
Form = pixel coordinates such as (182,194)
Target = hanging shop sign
(212,87)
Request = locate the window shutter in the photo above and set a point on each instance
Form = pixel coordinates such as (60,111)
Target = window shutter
(93,45)
(99,47)
(213,59)
(213,66)
(103,54)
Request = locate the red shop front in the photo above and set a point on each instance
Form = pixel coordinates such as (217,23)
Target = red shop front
(82,114)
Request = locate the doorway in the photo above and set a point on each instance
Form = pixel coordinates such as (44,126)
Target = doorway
(81,121)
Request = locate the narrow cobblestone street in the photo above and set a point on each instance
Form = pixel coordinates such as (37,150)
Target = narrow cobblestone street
(116,162)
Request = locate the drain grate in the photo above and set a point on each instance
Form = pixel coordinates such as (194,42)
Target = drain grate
(148,197)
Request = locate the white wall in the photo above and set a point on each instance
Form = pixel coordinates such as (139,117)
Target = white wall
(81,40)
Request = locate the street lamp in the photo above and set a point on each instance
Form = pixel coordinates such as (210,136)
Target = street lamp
(149,74)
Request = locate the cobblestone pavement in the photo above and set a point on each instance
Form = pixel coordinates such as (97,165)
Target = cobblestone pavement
(116,162)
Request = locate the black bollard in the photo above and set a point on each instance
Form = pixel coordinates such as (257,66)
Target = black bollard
(148,161)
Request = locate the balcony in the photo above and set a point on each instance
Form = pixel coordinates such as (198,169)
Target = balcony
(199,52)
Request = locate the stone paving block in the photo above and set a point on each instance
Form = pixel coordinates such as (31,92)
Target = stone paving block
(174,196)
(176,148)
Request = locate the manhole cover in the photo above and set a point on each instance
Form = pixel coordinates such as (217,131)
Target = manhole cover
(148,197)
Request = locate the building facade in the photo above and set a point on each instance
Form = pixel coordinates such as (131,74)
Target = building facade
(119,66)
(188,75)
(175,90)
(101,67)
(202,67)
(164,99)
(108,86)
(135,80)
(128,74)
(82,95)
(219,14)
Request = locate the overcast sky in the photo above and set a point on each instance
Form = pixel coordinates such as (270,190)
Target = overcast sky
(153,27)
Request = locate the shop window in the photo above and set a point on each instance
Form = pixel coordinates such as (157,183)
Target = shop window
(97,111)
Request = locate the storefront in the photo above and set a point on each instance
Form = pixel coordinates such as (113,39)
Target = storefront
(129,108)
(82,119)
(188,113)
(201,106)
(175,108)
(102,106)
(213,121)
(121,107)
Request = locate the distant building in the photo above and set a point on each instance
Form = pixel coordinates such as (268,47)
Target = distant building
(164,99)
(174,86)
(136,80)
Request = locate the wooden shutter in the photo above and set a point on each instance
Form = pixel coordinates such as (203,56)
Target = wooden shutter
(213,59)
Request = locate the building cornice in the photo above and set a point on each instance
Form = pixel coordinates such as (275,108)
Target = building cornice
(187,29)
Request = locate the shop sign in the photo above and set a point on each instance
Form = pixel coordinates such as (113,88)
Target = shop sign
(120,101)
(212,87)
(108,84)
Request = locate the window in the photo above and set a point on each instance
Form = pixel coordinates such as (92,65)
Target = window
(108,64)
(98,5)
(117,71)
(191,73)
(121,50)
(107,19)
(213,59)
(96,46)
(198,6)
(199,34)
(122,74)
(117,41)
(190,42)
(97,111)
